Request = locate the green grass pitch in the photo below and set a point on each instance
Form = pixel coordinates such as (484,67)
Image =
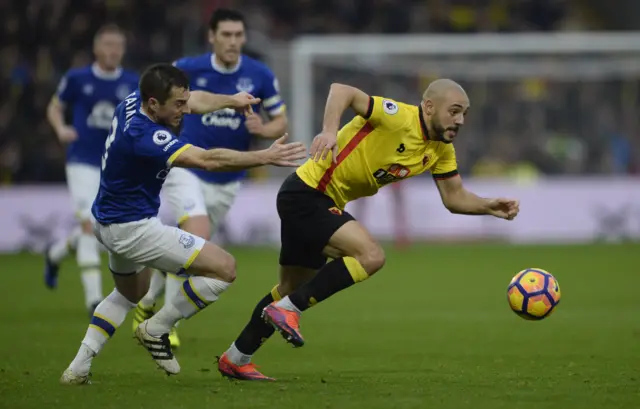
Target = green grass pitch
(432,330)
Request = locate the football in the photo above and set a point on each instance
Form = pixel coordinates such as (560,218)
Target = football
(533,294)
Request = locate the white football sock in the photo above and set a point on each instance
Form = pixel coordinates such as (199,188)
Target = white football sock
(88,258)
(288,305)
(156,286)
(173,285)
(92,284)
(107,317)
(61,248)
(236,357)
(196,294)
(74,236)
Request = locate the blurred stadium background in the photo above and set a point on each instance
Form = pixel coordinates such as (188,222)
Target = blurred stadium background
(554,102)
(555,94)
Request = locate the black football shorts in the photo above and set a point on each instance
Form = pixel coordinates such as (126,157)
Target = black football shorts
(308,219)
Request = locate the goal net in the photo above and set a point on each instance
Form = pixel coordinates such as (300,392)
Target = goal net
(553,99)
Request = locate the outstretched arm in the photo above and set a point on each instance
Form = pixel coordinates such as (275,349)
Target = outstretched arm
(220,160)
(459,200)
(202,102)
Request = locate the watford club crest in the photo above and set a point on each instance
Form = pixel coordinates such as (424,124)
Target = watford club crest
(335,211)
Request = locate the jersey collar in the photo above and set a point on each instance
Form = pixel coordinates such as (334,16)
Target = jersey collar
(223,70)
(423,126)
(105,75)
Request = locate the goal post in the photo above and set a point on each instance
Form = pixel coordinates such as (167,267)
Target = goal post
(479,60)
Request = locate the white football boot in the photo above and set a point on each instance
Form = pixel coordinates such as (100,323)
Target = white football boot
(159,348)
(70,378)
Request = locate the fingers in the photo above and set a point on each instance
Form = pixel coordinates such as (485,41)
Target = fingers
(329,147)
(281,140)
(334,153)
(317,147)
(319,150)
(321,146)
(292,152)
(314,146)
(325,151)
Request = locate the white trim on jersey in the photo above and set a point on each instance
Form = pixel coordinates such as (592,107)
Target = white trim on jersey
(277,111)
(105,75)
(223,70)
(269,102)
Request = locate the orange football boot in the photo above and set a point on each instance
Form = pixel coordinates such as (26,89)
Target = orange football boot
(285,322)
(248,372)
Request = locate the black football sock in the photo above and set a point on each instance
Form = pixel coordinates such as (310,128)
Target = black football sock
(257,331)
(335,276)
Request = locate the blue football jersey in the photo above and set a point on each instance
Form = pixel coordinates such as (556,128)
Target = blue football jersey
(92,96)
(225,128)
(138,154)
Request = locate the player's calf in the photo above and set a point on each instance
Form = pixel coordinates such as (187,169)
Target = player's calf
(107,317)
(213,270)
(145,307)
(257,331)
(361,257)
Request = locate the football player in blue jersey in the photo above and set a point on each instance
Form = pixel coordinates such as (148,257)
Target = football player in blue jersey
(90,94)
(198,199)
(140,151)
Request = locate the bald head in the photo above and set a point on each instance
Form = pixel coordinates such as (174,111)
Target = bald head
(444,105)
(441,87)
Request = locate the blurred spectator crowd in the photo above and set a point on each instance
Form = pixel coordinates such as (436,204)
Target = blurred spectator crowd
(41,39)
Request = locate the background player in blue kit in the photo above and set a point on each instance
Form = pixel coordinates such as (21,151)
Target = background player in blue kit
(199,199)
(90,94)
(140,151)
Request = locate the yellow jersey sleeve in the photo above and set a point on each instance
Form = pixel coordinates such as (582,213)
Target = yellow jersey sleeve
(386,113)
(446,166)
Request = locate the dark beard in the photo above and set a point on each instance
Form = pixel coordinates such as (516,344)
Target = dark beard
(439,131)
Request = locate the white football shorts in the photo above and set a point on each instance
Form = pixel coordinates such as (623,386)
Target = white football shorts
(83,181)
(188,196)
(148,243)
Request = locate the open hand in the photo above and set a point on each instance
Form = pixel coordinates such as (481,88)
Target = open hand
(285,154)
(242,102)
(324,143)
(506,209)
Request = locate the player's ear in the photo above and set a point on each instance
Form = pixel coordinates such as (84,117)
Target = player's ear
(211,36)
(154,104)
(427,107)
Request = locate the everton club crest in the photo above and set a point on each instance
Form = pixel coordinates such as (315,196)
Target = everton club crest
(245,85)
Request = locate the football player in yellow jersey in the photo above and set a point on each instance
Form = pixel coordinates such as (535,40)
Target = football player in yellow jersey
(385,142)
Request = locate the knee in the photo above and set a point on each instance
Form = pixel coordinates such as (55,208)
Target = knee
(372,258)
(228,269)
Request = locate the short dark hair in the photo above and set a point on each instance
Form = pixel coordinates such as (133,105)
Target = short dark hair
(108,29)
(220,15)
(158,80)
